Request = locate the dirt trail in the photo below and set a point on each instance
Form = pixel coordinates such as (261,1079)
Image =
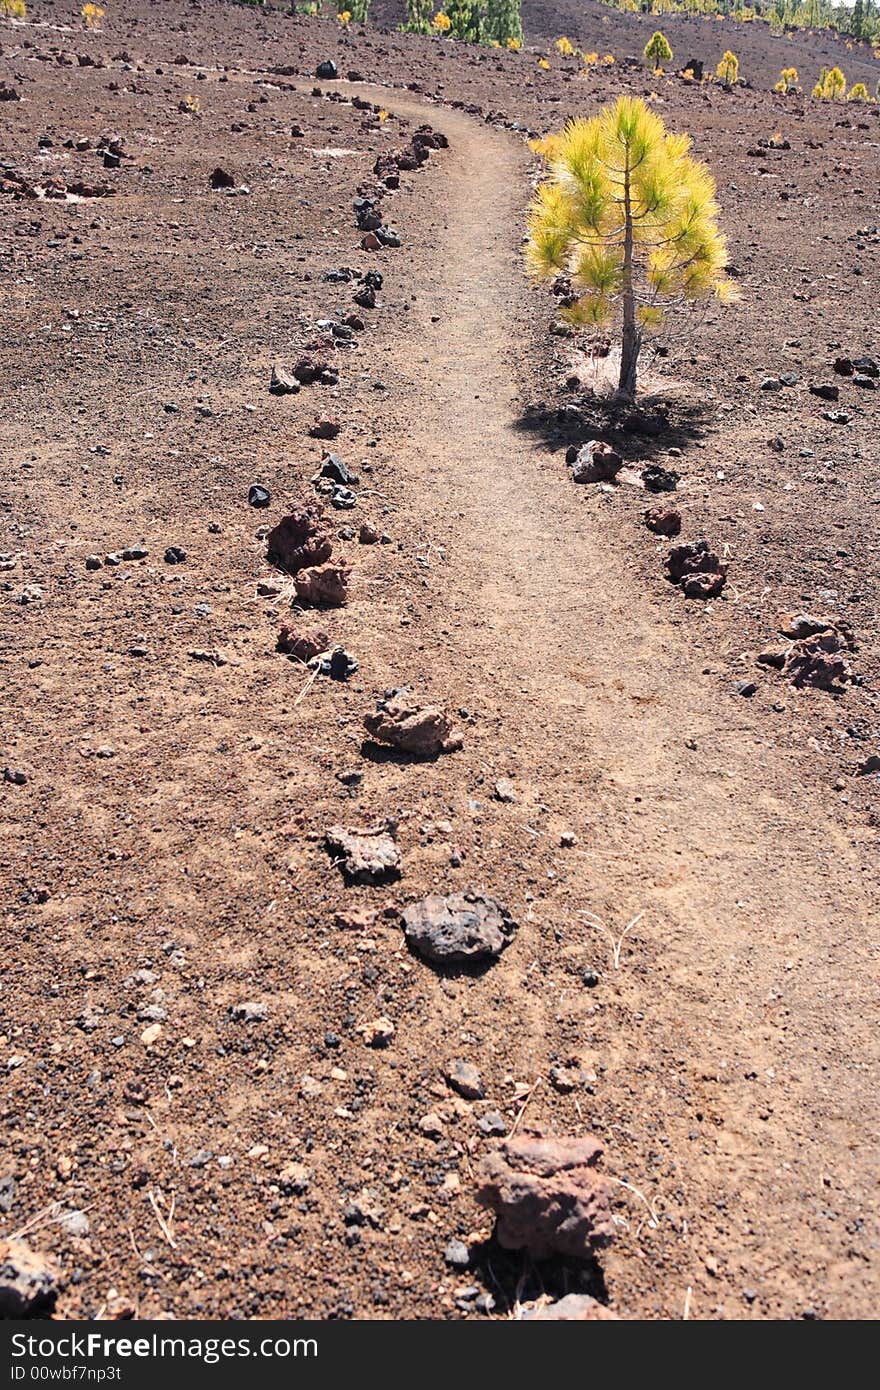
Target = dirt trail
(744,1036)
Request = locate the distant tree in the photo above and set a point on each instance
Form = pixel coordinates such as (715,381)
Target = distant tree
(831,85)
(631,219)
(466,18)
(788,81)
(857,92)
(418,16)
(503,22)
(727,70)
(658,50)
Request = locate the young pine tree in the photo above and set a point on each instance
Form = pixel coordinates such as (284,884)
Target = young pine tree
(727,70)
(658,50)
(788,81)
(831,85)
(631,218)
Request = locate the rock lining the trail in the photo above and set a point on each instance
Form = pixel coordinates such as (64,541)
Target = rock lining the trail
(365,855)
(462,929)
(422,730)
(547,1195)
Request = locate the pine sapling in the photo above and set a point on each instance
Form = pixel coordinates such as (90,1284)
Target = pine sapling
(631,219)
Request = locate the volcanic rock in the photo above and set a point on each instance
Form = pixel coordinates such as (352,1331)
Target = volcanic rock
(596,462)
(28,1283)
(696,569)
(825,390)
(574,1307)
(324,586)
(221,179)
(423,730)
(327,70)
(299,540)
(547,1196)
(663,521)
(464,1078)
(281,383)
(818,661)
(303,646)
(365,856)
(461,929)
(659,479)
(325,429)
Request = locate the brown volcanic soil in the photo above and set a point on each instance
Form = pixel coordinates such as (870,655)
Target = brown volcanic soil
(164,853)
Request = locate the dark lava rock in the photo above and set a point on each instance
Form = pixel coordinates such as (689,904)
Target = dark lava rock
(696,569)
(259,496)
(338,664)
(281,383)
(461,929)
(327,70)
(175,555)
(325,429)
(333,467)
(221,179)
(28,1284)
(825,390)
(657,479)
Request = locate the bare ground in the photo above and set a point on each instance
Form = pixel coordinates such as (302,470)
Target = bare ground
(734,1050)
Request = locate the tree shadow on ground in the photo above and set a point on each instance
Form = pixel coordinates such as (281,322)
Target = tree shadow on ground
(514,1278)
(641,432)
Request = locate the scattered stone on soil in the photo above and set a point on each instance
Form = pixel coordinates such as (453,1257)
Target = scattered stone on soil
(547,1195)
(325,428)
(249,1012)
(574,1307)
(461,929)
(377,1033)
(819,661)
(596,462)
(28,1283)
(324,586)
(302,645)
(364,855)
(422,730)
(259,496)
(299,540)
(658,479)
(663,521)
(464,1078)
(337,663)
(281,383)
(696,569)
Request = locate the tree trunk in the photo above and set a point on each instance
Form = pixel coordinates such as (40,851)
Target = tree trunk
(632,337)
